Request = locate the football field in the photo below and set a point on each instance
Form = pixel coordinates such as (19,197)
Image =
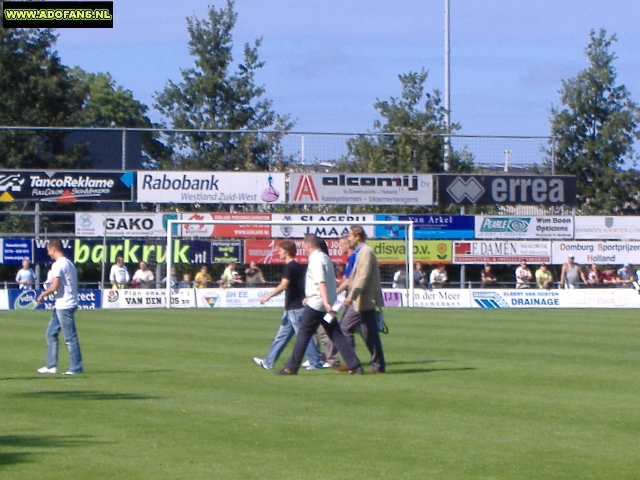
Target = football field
(469,394)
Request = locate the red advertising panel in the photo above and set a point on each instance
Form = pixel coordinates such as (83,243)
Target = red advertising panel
(245,230)
(265,252)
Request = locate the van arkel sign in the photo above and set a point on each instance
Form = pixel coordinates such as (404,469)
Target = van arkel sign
(211,187)
(360,189)
(66,186)
(506,190)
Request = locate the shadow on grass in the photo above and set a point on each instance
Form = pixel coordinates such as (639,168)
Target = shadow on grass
(428,370)
(87,395)
(93,372)
(417,362)
(35,441)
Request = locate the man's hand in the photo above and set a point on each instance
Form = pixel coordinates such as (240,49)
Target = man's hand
(347,302)
(264,300)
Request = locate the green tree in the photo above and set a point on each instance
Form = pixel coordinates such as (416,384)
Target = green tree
(213,97)
(594,134)
(410,137)
(36,89)
(110,105)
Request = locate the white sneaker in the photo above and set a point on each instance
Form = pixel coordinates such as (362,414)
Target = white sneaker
(47,370)
(258,361)
(69,372)
(326,365)
(306,364)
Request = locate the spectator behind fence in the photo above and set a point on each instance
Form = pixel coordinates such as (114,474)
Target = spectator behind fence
(608,276)
(230,277)
(119,275)
(420,276)
(253,275)
(400,278)
(202,278)
(572,274)
(594,278)
(173,278)
(523,275)
(625,277)
(438,277)
(143,277)
(544,277)
(186,281)
(488,277)
(26,277)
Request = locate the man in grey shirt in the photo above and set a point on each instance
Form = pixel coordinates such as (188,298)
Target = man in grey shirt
(320,292)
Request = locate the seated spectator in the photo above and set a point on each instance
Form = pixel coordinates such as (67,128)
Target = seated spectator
(400,278)
(438,277)
(143,277)
(253,275)
(420,276)
(593,276)
(544,277)
(625,277)
(488,277)
(186,281)
(523,275)
(202,279)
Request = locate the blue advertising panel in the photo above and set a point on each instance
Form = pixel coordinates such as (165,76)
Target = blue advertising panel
(14,250)
(428,226)
(26,300)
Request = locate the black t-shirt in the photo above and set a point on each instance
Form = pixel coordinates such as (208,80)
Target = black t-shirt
(294,293)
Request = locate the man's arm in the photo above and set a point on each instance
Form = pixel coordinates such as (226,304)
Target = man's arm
(563,275)
(322,287)
(284,283)
(343,286)
(359,276)
(55,283)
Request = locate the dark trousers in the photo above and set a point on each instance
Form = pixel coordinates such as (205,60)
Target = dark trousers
(369,331)
(311,319)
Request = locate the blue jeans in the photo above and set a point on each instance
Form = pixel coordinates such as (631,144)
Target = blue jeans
(288,327)
(63,320)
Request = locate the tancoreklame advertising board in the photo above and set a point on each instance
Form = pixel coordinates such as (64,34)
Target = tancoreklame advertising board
(266,252)
(66,186)
(236,298)
(501,252)
(534,298)
(15,250)
(250,229)
(360,189)
(425,251)
(506,190)
(82,251)
(26,300)
(524,227)
(607,228)
(211,187)
(338,229)
(427,226)
(122,224)
(600,253)
(148,298)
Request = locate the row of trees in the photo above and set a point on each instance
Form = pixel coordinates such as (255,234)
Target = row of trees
(593,131)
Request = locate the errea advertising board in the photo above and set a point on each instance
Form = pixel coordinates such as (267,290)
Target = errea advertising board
(360,189)
(211,187)
(524,227)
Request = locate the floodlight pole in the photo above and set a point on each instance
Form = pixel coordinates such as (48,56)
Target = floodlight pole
(447,84)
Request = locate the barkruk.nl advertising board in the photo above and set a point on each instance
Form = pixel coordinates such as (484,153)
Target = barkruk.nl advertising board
(211,187)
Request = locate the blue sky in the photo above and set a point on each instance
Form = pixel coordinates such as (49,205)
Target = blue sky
(327,61)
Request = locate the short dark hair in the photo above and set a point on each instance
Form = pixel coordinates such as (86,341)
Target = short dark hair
(56,244)
(289,247)
(312,240)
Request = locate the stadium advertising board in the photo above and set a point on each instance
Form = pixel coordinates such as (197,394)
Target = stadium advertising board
(427,226)
(323,231)
(226,252)
(438,298)
(601,253)
(524,227)
(245,230)
(211,187)
(15,250)
(607,228)
(148,298)
(122,224)
(425,251)
(506,190)
(132,251)
(235,298)
(4,299)
(360,189)
(532,298)
(26,300)
(66,186)
(501,252)
(265,252)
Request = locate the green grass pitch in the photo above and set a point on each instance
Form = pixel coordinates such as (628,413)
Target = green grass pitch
(469,394)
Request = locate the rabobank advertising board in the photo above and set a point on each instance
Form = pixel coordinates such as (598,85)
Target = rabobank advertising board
(360,189)
(211,187)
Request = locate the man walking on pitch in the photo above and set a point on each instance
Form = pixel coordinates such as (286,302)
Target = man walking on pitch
(293,286)
(320,290)
(364,294)
(64,284)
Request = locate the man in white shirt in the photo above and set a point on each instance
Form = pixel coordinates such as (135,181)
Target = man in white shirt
(25,277)
(143,276)
(320,291)
(119,275)
(64,284)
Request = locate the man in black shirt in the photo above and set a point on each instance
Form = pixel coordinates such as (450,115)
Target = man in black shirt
(293,285)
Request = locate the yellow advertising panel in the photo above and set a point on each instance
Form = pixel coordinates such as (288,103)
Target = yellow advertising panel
(426,251)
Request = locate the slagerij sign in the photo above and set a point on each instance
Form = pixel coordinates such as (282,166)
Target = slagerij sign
(506,190)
